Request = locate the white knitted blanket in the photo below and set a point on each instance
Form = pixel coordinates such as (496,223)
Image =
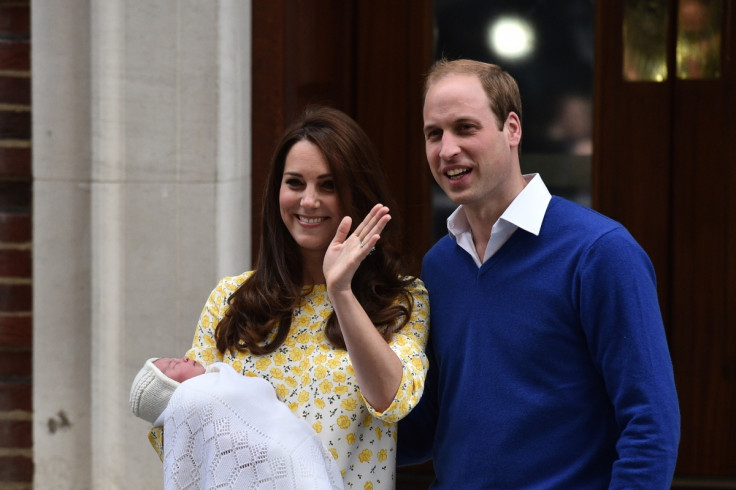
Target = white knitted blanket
(223,430)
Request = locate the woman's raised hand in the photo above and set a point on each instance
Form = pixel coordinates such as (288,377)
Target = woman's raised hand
(345,253)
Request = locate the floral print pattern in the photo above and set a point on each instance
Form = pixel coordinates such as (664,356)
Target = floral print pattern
(317,381)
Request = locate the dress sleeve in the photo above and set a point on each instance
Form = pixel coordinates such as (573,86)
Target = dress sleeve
(409,344)
(156,438)
(204,346)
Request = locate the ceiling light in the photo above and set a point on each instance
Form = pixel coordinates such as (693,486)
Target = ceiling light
(511,37)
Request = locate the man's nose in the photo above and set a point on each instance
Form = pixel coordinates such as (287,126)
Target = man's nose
(449,147)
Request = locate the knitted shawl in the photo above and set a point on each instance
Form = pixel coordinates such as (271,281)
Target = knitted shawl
(225,430)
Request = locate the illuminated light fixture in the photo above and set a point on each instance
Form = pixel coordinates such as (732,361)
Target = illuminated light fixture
(511,37)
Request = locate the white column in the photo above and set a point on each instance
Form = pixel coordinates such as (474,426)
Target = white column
(141,134)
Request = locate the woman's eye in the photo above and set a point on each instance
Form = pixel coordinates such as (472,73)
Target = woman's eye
(293,182)
(329,185)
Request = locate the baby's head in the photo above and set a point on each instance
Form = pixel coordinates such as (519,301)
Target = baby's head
(180,369)
(155,383)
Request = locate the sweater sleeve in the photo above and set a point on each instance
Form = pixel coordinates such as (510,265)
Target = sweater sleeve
(623,326)
(409,345)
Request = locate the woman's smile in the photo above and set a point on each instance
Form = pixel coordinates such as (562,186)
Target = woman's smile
(310,206)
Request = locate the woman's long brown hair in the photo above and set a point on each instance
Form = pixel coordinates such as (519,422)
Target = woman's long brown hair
(265,302)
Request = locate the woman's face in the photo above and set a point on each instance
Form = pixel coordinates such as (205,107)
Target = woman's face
(310,207)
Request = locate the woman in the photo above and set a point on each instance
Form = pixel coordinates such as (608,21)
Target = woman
(328,316)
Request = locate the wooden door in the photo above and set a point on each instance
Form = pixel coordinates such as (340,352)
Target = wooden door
(365,58)
(664,160)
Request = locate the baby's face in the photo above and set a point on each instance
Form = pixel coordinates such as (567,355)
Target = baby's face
(179,369)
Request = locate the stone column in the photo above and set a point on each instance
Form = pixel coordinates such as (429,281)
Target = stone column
(141,148)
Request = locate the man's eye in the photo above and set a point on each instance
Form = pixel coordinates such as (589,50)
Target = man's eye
(433,135)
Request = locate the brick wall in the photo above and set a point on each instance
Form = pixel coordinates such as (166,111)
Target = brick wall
(16,442)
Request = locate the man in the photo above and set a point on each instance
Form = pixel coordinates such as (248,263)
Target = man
(549,366)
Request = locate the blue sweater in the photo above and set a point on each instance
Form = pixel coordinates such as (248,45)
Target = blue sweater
(549,366)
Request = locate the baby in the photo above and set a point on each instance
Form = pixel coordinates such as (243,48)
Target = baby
(226,430)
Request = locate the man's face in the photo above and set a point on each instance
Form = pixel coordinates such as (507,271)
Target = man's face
(180,369)
(472,160)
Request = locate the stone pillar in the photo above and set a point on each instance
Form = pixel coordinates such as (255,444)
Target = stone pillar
(141,148)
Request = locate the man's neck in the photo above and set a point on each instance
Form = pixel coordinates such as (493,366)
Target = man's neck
(482,217)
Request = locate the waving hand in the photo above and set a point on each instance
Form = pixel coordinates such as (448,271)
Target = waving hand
(345,253)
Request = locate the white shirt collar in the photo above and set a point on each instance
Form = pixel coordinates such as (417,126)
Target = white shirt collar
(526,211)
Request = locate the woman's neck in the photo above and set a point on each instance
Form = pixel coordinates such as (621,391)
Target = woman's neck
(312,269)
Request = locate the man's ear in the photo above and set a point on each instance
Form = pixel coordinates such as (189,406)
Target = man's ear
(512,126)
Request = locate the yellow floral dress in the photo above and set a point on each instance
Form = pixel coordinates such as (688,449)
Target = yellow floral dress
(317,381)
